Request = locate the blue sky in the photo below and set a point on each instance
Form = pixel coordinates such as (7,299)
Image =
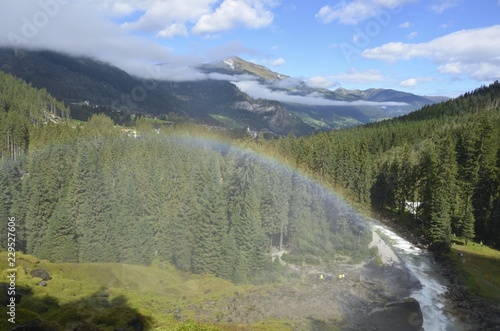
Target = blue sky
(433,47)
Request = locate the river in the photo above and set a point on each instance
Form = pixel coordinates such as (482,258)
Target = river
(434,285)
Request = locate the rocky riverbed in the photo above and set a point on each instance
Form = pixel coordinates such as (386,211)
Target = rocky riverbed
(473,312)
(368,294)
(371,296)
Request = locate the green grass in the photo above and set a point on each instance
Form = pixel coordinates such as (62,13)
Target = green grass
(76,292)
(226,121)
(157,121)
(77,122)
(317,124)
(482,265)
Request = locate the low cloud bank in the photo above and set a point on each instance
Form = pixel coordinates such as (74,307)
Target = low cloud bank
(257,90)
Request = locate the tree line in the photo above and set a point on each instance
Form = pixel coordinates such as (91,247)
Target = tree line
(21,108)
(91,193)
(445,158)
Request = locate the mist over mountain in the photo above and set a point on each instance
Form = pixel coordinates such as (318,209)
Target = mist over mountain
(231,93)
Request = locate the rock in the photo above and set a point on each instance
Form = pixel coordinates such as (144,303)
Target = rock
(42,283)
(395,316)
(177,314)
(40,273)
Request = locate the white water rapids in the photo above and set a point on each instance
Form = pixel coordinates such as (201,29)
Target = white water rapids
(431,295)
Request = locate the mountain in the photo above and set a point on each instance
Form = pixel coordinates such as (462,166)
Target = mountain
(235,94)
(102,87)
(323,108)
(234,65)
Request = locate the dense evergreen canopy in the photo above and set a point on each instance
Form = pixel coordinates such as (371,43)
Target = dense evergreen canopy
(444,158)
(92,193)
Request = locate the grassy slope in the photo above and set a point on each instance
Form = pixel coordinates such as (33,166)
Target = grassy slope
(482,264)
(227,121)
(75,294)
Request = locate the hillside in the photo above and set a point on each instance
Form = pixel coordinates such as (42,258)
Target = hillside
(151,232)
(22,107)
(110,90)
(444,157)
(217,97)
(104,196)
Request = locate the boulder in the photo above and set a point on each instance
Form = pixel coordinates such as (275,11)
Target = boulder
(395,316)
(40,273)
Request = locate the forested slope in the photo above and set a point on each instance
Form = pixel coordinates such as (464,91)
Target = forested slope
(206,208)
(445,157)
(92,194)
(21,108)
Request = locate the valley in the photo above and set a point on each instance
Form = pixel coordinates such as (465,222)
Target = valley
(168,223)
(235,96)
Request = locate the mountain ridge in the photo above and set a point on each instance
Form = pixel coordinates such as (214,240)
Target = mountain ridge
(219,101)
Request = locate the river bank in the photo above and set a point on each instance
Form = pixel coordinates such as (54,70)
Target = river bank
(473,312)
(366,295)
(330,296)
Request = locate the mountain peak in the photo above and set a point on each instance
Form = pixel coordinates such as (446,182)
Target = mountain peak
(236,65)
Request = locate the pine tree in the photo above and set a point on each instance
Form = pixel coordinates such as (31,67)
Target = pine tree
(60,240)
(439,171)
(89,207)
(210,224)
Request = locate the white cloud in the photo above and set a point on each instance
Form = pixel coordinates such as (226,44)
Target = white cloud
(175,29)
(185,72)
(354,76)
(278,62)
(444,5)
(75,28)
(412,82)
(320,82)
(445,26)
(177,17)
(409,82)
(412,35)
(406,25)
(251,14)
(289,83)
(351,76)
(472,52)
(257,90)
(159,15)
(358,10)
(479,71)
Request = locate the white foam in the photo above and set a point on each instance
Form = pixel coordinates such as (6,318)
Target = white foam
(430,296)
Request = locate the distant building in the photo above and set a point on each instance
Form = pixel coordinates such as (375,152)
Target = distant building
(412,206)
(253,134)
